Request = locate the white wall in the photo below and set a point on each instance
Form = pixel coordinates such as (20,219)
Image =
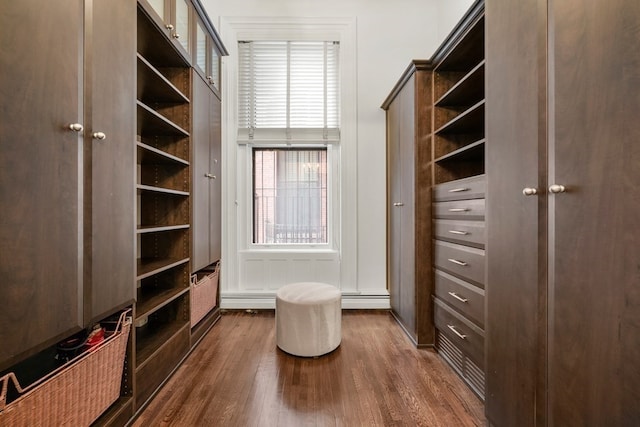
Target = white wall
(389,35)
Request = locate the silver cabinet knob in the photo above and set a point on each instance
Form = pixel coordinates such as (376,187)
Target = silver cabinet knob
(528,191)
(76,127)
(169,27)
(556,188)
(175,35)
(210,176)
(398,204)
(99,136)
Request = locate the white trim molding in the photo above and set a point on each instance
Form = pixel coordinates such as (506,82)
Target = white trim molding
(253,287)
(267,301)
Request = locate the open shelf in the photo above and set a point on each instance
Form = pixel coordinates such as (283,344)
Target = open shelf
(470,120)
(146,154)
(162,347)
(151,300)
(151,337)
(153,86)
(465,90)
(470,152)
(155,229)
(141,187)
(149,266)
(151,122)
(468,51)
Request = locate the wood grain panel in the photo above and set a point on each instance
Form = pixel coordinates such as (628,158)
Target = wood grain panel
(40,165)
(109,108)
(215,186)
(513,135)
(595,152)
(200,161)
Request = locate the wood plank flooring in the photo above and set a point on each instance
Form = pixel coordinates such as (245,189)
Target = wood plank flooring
(238,377)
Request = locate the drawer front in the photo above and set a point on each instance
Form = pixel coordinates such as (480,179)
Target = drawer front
(462,261)
(461,189)
(462,232)
(465,335)
(460,209)
(462,296)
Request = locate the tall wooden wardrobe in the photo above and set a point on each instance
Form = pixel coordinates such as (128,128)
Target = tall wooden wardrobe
(110,143)
(409,167)
(563,168)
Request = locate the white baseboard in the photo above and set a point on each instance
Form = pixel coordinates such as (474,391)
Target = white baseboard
(268,301)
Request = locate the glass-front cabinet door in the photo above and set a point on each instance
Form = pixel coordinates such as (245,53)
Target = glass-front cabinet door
(182,16)
(201,49)
(159,7)
(214,65)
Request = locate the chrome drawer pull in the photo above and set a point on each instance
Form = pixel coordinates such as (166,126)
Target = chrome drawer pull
(458,297)
(462,233)
(455,261)
(455,331)
(459,210)
(458,190)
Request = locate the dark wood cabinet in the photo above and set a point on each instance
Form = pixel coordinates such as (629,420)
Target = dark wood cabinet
(178,186)
(67,252)
(110,161)
(207,203)
(410,279)
(40,173)
(96,182)
(459,199)
(563,323)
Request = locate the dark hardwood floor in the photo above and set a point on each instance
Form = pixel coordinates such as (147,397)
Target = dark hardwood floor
(238,377)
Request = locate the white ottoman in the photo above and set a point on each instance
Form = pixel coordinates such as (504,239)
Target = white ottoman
(308,318)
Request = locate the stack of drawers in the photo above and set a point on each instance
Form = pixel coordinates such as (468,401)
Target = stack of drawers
(459,259)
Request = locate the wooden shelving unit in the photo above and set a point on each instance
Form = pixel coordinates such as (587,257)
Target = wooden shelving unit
(458,198)
(459,106)
(163,208)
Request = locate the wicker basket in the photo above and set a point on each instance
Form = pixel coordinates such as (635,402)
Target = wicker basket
(203,294)
(75,394)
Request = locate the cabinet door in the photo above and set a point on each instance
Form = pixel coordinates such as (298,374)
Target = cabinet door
(40,165)
(182,23)
(215,218)
(161,8)
(594,287)
(201,49)
(393,197)
(515,288)
(201,146)
(407,218)
(110,222)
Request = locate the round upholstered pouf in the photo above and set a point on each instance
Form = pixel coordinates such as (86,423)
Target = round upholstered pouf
(308,318)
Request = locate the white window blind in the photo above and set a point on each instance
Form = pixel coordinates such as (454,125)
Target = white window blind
(288,91)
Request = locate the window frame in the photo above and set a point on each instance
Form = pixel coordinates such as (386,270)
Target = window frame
(340,256)
(330,195)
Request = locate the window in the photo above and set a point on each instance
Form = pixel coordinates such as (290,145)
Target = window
(288,109)
(290,196)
